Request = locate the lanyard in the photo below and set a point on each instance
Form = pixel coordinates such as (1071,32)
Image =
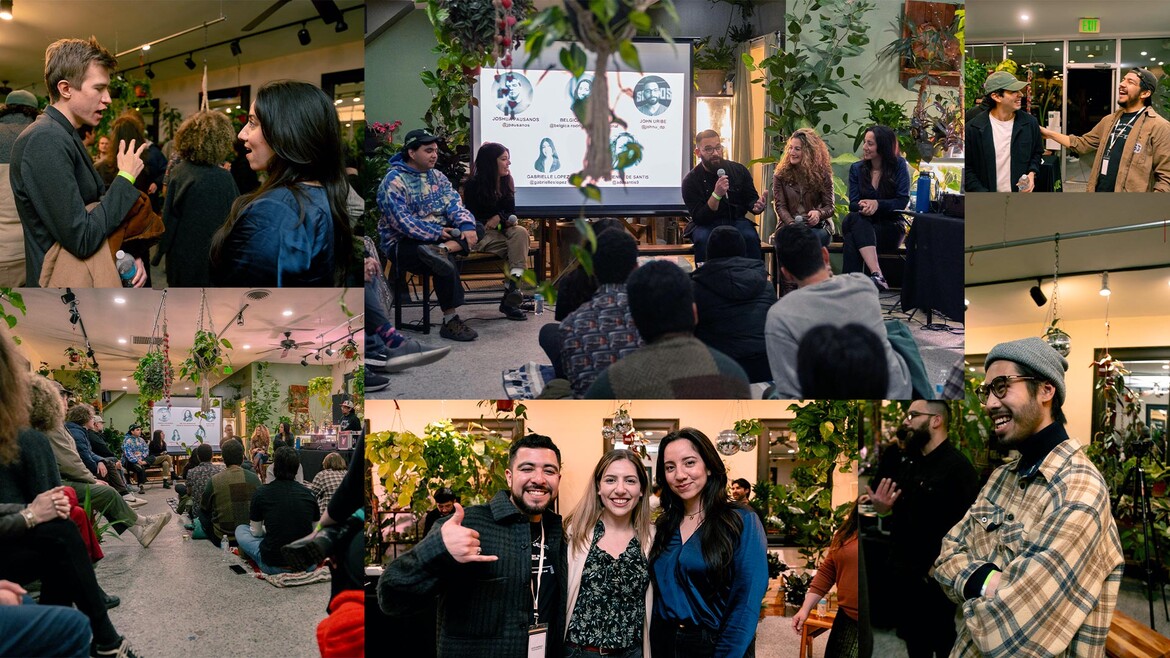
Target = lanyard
(539,572)
(1118,130)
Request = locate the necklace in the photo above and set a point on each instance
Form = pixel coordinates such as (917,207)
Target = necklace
(691,516)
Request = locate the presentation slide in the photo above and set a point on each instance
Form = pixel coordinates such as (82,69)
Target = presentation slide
(182,423)
(530,112)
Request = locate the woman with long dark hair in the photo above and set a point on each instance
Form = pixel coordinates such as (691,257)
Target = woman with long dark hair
(840,567)
(879,186)
(284,436)
(708,563)
(490,195)
(293,230)
(548,161)
(802,185)
(609,536)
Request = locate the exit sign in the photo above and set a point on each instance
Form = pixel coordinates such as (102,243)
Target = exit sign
(1090,25)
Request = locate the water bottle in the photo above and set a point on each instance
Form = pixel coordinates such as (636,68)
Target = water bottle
(227,550)
(1024,184)
(539,301)
(922,198)
(127,268)
(941,383)
(823,608)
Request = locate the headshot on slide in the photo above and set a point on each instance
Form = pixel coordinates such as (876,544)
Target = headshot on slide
(652,95)
(513,93)
(580,88)
(548,161)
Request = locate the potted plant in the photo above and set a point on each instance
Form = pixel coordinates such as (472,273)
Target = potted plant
(928,43)
(73,354)
(205,357)
(150,375)
(712,62)
(322,388)
(89,384)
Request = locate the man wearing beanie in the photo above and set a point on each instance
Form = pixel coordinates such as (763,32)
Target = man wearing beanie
(1132,144)
(1003,144)
(17,113)
(1036,563)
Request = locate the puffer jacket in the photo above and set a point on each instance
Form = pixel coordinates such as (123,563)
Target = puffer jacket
(733,296)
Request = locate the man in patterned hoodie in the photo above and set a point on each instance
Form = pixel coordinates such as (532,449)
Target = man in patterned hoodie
(424,223)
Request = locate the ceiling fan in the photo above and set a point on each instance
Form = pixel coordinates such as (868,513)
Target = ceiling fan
(287,344)
(327,9)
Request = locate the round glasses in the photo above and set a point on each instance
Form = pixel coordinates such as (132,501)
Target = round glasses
(998,387)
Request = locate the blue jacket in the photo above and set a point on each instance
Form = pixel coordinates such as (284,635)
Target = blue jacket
(81,438)
(133,448)
(418,205)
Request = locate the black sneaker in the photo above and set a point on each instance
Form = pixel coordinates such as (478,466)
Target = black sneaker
(435,258)
(375,382)
(377,357)
(411,354)
(121,649)
(512,312)
(879,281)
(512,295)
(305,552)
(457,329)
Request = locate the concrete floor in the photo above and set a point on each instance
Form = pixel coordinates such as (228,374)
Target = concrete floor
(180,599)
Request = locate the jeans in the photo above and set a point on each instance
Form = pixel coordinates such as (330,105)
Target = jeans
(43,630)
(667,640)
(250,546)
(746,228)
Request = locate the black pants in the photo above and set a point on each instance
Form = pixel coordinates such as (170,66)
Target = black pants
(550,342)
(886,232)
(448,289)
(842,637)
(928,623)
(668,640)
(137,469)
(54,553)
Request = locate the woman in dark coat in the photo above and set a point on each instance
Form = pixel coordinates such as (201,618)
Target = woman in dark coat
(733,295)
(200,193)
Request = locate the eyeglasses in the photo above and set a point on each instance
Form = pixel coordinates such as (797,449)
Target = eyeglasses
(711,150)
(998,386)
(914,414)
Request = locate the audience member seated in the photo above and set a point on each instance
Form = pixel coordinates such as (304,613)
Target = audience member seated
(28,629)
(157,456)
(97,443)
(574,287)
(199,475)
(821,298)
(732,296)
(601,330)
(228,494)
(134,455)
(490,195)
(802,185)
(78,422)
(673,364)
(258,449)
(842,363)
(879,186)
(282,512)
(327,480)
(47,415)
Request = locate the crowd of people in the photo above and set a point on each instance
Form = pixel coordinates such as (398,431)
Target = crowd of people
(210,218)
(653,331)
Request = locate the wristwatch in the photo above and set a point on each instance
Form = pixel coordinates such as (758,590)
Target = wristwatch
(29,518)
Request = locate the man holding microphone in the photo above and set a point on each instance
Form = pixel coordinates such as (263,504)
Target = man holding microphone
(719,192)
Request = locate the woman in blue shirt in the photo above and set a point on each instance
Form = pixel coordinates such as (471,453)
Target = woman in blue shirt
(879,186)
(293,230)
(708,563)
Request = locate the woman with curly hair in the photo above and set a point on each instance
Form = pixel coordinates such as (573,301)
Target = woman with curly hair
(200,194)
(802,185)
(294,230)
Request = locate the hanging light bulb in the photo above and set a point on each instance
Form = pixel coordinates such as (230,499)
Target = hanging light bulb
(727,443)
(1105,291)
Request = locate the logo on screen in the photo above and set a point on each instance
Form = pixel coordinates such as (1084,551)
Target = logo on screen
(652,95)
(513,93)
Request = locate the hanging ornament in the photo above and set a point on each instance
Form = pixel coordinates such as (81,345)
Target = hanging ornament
(608,433)
(747,442)
(727,443)
(622,421)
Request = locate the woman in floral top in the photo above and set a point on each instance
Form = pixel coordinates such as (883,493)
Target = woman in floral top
(609,581)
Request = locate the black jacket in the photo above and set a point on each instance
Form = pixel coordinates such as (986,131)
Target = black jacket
(1027,147)
(698,185)
(733,297)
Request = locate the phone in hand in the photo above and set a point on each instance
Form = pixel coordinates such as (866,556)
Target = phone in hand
(238,569)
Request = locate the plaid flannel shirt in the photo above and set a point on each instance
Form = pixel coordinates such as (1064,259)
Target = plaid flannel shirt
(324,484)
(1054,539)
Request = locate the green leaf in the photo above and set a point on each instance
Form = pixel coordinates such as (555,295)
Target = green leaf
(629,55)
(591,191)
(576,180)
(640,20)
(225,343)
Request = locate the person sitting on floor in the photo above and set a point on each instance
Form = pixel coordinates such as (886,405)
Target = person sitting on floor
(673,364)
(227,496)
(282,512)
(602,330)
(821,298)
(326,481)
(198,475)
(732,296)
(842,363)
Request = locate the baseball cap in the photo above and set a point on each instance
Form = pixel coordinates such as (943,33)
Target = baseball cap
(347,403)
(1149,80)
(134,426)
(1002,81)
(98,419)
(22,97)
(418,137)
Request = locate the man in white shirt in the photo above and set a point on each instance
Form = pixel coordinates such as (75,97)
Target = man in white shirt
(1003,145)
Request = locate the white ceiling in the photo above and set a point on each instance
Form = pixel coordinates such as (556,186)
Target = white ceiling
(997,21)
(123,24)
(315,316)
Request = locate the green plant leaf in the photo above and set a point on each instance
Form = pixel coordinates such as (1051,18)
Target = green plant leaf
(629,55)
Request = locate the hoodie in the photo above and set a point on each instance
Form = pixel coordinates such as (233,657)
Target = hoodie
(733,297)
(418,205)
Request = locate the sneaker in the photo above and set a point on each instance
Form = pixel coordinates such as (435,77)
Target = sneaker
(512,295)
(166,484)
(120,650)
(879,281)
(375,382)
(306,552)
(411,354)
(134,503)
(512,312)
(376,357)
(456,329)
(434,256)
(141,489)
(148,528)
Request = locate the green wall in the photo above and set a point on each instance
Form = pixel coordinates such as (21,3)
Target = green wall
(394,59)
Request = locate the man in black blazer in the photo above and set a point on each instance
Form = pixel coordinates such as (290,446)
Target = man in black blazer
(1003,144)
(486,564)
(52,175)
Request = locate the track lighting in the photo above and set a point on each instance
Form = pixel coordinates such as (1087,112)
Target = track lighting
(1105,291)
(6,10)
(329,351)
(341,26)
(305,361)
(236,50)
(303,35)
(1038,295)
(149,72)
(190,61)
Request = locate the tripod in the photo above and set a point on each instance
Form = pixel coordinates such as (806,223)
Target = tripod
(1153,558)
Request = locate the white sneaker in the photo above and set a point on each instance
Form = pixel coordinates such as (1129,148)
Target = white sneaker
(133,501)
(148,527)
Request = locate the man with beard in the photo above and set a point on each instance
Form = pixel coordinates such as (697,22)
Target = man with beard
(495,599)
(1132,144)
(1037,562)
(933,487)
(720,192)
(1003,144)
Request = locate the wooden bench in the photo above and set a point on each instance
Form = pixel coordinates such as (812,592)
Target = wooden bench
(1129,638)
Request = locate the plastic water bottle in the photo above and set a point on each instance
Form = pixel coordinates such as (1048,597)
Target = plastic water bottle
(539,301)
(823,608)
(227,550)
(941,384)
(922,198)
(1024,184)
(127,268)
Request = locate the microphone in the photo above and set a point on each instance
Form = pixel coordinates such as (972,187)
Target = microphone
(721,173)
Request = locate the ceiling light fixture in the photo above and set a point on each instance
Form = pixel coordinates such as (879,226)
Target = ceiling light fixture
(1037,294)
(146,46)
(341,26)
(236,50)
(1025,17)
(190,61)
(1105,291)
(6,9)
(303,35)
(149,72)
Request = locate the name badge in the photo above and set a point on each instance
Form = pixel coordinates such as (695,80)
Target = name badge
(537,638)
(1105,166)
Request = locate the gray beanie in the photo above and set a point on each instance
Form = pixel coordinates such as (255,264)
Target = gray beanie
(22,97)
(1037,355)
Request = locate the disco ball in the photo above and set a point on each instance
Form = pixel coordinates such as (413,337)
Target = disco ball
(608,433)
(622,422)
(747,442)
(1058,340)
(727,443)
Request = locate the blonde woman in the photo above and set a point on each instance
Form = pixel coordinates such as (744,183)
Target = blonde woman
(609,538)
(802,185)
(258,446)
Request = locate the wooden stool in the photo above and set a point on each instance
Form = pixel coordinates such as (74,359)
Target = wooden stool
(813,626)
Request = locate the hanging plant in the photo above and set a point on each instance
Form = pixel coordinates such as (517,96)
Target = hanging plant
(349,350)
(359,386)
(74,355)
(150,375)
(204,358)
(89,385)
(322,388)
(43,370)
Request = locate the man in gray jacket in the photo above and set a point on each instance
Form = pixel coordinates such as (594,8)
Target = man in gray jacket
(53,178)
(821,298)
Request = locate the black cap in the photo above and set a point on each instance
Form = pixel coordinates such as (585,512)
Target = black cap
(134,426)
(444,495)
(418,137)
(1149,80)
